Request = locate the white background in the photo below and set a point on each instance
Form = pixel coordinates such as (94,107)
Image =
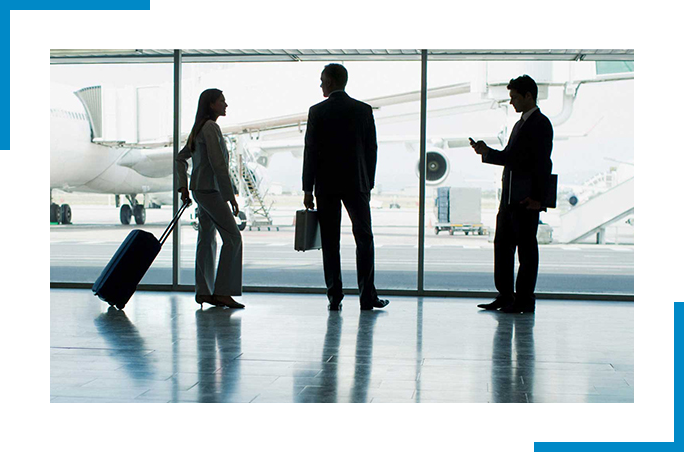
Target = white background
(34,422)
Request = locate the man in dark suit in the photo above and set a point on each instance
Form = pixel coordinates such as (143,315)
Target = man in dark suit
(340,156)
(527,156)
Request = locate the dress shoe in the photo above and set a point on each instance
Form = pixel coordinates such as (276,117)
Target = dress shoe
(496,304)
(335,306)
(227,302)
(200,299)
(378,303)
(517,309)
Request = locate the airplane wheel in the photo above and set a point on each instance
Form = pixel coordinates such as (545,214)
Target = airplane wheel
(242,223)
(125,214)
(66,214)
(436,231)
(139,214)
(55,213)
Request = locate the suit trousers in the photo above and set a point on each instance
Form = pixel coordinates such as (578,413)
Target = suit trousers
(215,214)
(516,228)
(329,208)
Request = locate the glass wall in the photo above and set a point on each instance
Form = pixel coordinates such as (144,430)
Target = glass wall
(110,164)
(587,241)
(266,104)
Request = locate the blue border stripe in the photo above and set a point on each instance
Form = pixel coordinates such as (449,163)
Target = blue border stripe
(72,5)
(83,5)
(634,447)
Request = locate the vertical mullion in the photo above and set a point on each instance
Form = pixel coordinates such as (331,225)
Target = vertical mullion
(176,148)
(421,200)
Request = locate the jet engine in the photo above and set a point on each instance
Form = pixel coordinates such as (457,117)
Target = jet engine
(436,167)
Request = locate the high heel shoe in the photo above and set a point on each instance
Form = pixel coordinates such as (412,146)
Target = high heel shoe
(227,301)
(204,299)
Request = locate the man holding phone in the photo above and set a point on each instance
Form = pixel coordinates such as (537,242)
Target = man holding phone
(527,154)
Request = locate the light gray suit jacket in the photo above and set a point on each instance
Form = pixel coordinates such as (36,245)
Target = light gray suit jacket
(209,163)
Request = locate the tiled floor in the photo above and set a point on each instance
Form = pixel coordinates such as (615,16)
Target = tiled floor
(289,348)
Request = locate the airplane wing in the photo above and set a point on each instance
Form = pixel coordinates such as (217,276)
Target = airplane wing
(299,120)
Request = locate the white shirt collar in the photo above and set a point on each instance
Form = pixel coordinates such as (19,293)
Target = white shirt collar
(527,114)
(336,91)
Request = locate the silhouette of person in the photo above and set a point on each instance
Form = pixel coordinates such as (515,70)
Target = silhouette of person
(528,155)
(212,189)
(340,156)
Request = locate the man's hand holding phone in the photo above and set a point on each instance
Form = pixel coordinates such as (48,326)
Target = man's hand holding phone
(480,146)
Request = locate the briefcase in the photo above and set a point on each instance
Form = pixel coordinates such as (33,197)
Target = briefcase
(520,187)
(307,231)
(126,269)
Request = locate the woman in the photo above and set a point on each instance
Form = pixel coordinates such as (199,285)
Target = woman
(213,191)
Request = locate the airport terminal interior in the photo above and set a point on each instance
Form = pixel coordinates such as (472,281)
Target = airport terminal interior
(111,172)
(281,348)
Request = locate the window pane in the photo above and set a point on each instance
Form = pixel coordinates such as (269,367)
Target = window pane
(110,131)
(593,156)
(259,96)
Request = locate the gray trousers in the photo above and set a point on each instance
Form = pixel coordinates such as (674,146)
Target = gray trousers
(215,214)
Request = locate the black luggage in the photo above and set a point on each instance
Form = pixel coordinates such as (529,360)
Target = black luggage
(121,276)
(307,231)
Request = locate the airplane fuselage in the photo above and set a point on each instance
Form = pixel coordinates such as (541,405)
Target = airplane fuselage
(78,165)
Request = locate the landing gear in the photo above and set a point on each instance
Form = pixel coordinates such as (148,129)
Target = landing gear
(137,211)
(66,213)
(60,214)
(125,214)
(139,214)
(55,213)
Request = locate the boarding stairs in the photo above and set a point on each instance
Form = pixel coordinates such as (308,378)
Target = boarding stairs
(249,186)
(593,216)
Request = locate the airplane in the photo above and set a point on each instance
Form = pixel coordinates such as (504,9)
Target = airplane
(82,161)
(576,194)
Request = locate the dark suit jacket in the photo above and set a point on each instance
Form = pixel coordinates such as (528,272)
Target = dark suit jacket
(528,154)
(340,147)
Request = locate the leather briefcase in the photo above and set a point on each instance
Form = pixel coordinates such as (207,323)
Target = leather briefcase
(307,231)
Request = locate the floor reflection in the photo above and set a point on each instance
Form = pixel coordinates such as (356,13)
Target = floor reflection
(364,355)
(513,359)
(218,343)
(125,340)
(327,388)
(324,391)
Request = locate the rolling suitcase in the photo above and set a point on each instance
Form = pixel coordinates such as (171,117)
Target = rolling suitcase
(307,231)
(121,276)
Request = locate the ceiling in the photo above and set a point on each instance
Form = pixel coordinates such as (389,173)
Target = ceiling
(85,56)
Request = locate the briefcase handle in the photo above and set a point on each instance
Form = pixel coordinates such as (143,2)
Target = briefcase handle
(170,227)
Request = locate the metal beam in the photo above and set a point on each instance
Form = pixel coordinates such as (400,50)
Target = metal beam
(177,79)
(421,183)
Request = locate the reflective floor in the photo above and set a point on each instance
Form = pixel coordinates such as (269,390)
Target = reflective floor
(289,348)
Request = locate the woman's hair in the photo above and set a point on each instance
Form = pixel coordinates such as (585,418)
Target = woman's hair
(204,112)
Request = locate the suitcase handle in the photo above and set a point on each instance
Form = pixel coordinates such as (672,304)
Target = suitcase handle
(170,227)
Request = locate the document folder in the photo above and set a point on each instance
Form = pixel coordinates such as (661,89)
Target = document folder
(520,187)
